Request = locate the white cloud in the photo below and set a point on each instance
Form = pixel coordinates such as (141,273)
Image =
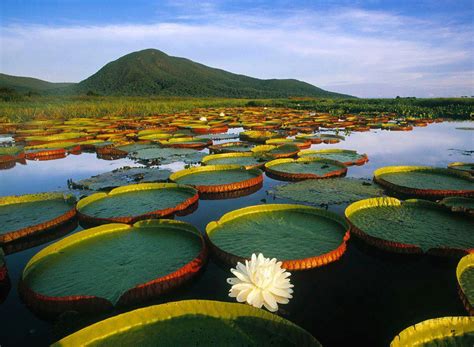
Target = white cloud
(364,53)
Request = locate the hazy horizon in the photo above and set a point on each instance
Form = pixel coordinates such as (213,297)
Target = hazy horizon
(365,48)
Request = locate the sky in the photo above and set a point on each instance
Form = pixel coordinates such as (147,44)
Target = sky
(364,48)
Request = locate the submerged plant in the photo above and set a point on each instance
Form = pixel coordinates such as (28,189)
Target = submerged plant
(261,281)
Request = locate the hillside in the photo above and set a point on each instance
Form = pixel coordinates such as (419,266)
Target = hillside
(28,84)
(152,72)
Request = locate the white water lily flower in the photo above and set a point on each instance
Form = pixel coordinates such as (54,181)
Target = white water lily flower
(203,119)
(222,114)
(261,281)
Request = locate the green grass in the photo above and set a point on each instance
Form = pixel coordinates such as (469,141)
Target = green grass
(64,107)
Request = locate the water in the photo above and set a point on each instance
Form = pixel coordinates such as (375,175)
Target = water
(365,298)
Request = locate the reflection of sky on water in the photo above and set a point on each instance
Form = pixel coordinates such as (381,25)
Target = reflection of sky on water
(430,145)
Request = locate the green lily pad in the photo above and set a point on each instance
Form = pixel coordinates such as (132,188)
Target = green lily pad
(468,167)
(425,181)
(419,224)
(214,175)
(459,204)
(329,191)
(193,323)
(445,331)
(231,147)
(168,155)
(24,214)
(344,156)
(135,201)
(465,276)
(306,233)
(121,177)
(304,168)
(243,159)
(108,261)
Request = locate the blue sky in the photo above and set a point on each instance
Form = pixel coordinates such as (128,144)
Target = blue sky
(364,48)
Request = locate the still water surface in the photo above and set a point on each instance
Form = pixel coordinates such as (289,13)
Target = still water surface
(364,299)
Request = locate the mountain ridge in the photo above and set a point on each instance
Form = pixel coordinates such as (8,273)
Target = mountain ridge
(153,72)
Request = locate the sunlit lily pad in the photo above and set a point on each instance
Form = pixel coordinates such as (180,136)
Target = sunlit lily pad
(218,178)
(425,181)
(328,192)
(344,156)
(465,276)
(112,265)
(247,159)
(468,167)
(445,331)
(122,177)
(167,155)
(412,226)
(131,203)
(304,168)
(24,215)
(311,237)
(275,152)
(193,323)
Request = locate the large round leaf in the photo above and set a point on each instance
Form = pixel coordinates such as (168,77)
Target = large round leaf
(137,201)
(446,332)
(465,276)
(412,226)
(193,323)
(25,215)
(301,236)
(114,264)
(218,178)
(304,168)
(425,181)
(347,157)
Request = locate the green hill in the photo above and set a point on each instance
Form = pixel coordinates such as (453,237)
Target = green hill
(28,84)
(152,72)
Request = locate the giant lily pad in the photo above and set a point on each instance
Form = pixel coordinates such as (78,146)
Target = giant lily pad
(24,215)
(231,147)
(259,136)
(134,202)
(459,204)
(425,181)
(304,168)
(467,167)
(445,331)
(123,176)
(302,237)
(465,276)
(412,226)
(193,323)
(249,160)
(218,178)
(114,264)
(167,155)
(344,156)
(275,152)
(329,191)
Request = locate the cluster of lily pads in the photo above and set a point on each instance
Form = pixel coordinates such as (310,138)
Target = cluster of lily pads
(129,225)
